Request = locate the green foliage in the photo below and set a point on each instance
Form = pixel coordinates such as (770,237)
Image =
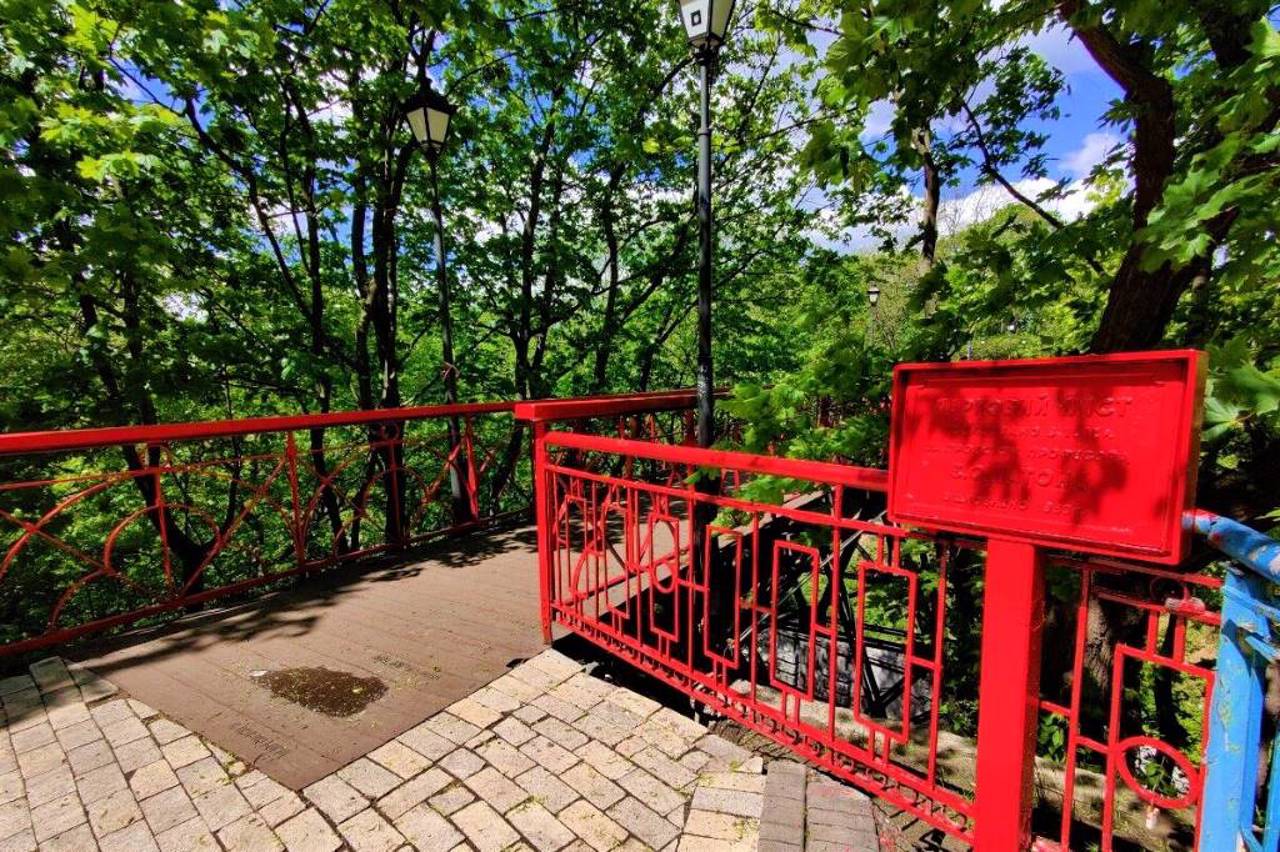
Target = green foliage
(1187,203)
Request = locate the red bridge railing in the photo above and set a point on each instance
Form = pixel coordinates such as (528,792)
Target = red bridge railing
(105,527)
(858,644)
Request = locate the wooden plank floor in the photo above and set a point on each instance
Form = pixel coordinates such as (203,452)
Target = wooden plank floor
(433,630)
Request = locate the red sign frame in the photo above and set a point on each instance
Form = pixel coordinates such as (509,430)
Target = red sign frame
(1093,453)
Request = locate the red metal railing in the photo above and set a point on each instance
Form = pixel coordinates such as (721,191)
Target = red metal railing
(104,527)
(855,642)
(1127,775)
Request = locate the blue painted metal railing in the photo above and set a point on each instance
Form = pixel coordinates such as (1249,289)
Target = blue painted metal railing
(1247,647)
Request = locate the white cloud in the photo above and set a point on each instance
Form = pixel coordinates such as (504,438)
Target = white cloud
(830,230)
(338,108)
(956,214)
(1060,49)
(335,112)
(1092,151)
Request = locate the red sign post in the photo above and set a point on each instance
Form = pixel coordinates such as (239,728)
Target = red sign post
(1095,454)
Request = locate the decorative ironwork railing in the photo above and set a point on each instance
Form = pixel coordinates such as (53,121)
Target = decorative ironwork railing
(102,527)
(105,527)
(856,643)
(772,591)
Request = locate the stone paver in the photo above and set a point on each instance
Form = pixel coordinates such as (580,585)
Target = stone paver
(222,806)
(367,831)
(452,798)
(593,786)
(493,787)
(371,779)
(335,797)
(782,817)
(400,759)
(545,758)
(166,809)
(53,818)
(190,836)
(427,829)
(114,812)
(592,826)
(485,827)
(308,831)
(547,789)
(414,792)
(249,834)
(135,837)
(543,831)
(185,751)
(654,830)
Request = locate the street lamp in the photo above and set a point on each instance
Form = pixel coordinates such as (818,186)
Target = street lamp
(429,115)
(706,22)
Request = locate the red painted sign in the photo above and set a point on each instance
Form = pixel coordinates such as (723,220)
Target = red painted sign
(1094,453)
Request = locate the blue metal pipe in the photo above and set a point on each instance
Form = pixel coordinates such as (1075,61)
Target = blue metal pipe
(1259,553)
(1235,717)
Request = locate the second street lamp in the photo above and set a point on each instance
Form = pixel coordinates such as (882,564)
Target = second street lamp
(430,115)
(706,22)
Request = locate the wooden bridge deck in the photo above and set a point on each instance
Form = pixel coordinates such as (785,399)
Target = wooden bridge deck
(432,629)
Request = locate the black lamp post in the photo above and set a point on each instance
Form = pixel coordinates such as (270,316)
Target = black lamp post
(706,22)
(873,299)
(429,114)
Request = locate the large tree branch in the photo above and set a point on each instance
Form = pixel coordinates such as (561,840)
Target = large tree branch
(1151,96)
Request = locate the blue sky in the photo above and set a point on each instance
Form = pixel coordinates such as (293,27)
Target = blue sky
(1079,139)
(1091,92)
(1076,142)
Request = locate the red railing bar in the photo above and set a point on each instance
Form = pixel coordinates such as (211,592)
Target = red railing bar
(866,478)
(727,502)
(109,436)
(82,439)
(612,405)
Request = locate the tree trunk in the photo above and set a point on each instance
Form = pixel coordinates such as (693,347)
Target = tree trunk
(459,471)
(932,197)
(191,554)
(604,346)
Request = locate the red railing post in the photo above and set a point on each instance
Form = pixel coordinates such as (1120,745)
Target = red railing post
(1008,695)
(473,481)
(542,492)
(395,499)
(295,500)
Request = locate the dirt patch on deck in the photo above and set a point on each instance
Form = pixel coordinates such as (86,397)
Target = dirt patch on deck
(323,690)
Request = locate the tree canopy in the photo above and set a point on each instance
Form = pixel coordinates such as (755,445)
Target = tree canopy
(216,208)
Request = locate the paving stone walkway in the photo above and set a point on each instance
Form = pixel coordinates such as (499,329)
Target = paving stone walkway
(546,757)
